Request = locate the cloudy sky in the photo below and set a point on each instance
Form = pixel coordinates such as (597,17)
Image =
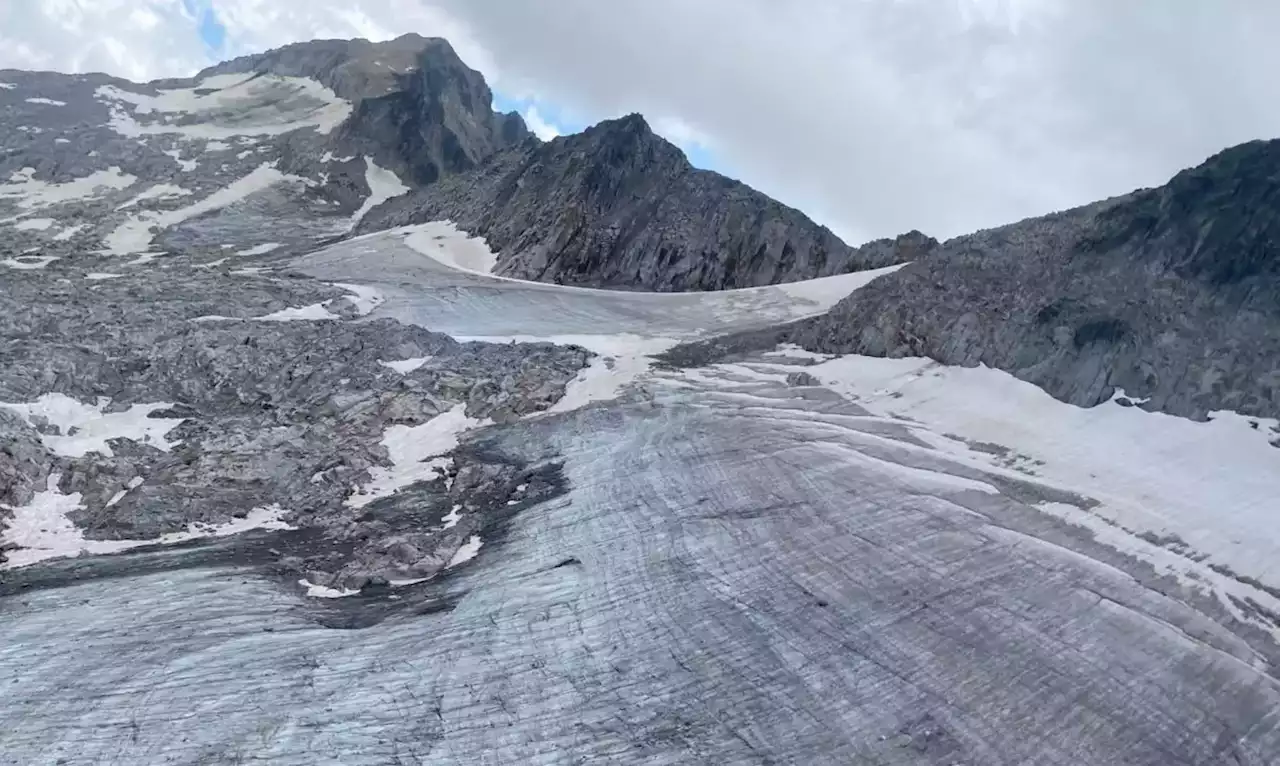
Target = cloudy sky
(873,116)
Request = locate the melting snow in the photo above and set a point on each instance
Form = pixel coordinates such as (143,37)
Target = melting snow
(34,194)
(29,262)
(41,530)
(35,224)
(442,241)
(263,105)
(316,311)
(383,185)
(187,165)
(85,428)
(415,453)
(468,551)
(135,235)
(365,300)
(1213,484)
(156,192)
(620,360)
(262,249)
(70,232)
(406,366)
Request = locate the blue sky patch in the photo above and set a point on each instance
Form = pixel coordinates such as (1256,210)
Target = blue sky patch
(212,32)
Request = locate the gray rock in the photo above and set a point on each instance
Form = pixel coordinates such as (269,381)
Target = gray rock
(618,206)
(1166,293)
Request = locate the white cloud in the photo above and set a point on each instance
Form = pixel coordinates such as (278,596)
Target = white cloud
(540,127)
(874,116)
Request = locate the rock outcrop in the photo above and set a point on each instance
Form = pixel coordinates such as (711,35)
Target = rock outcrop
(1171,294)
(618,206)
(417,108)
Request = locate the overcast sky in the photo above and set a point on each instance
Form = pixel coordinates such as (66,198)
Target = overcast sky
(872,116)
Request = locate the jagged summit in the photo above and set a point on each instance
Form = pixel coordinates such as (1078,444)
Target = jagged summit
(619,206)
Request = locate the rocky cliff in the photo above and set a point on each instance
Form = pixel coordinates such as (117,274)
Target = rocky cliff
(417,108)
(618,206)
(1171,294)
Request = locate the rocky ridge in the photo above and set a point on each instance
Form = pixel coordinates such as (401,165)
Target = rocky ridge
(618,206)
(1169,294)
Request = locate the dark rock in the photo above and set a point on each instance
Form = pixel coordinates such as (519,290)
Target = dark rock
(618,206)
(1170,293)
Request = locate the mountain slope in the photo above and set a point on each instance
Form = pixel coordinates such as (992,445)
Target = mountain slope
(618,206)
(1172,294)
(418,109)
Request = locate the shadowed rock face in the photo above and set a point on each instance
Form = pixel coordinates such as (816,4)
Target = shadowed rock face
(618,206)
(419,109)
(1170,293)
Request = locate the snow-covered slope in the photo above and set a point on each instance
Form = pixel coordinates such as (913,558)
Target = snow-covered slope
(273,493)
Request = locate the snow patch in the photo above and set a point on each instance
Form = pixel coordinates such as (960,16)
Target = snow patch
(1212,484)
(452,518)
(70,232)
(365,299)
(136,234)
(262,249)
(186,165)
(40,530)
(33,194)
(443,242)
(159,191)
(7,86)
(100,275)
(383,185)
(29,262)
(620,360)
(239,105)
(468,551)
(313,312)
(46,101)
(406,366)
(416,454)
(35,224)
(85,428)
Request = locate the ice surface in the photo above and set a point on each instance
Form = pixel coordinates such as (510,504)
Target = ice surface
(85,428)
